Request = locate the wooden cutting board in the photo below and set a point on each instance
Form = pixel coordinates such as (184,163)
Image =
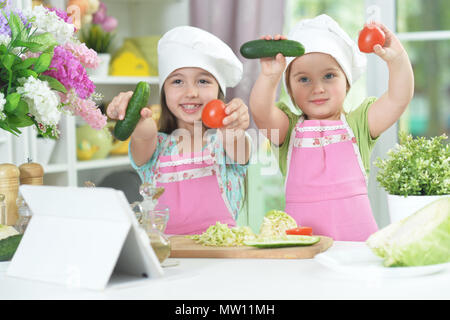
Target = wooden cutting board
(182,247)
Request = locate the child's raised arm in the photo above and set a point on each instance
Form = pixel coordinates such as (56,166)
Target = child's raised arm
(389,107)
(144,137)
(263,95)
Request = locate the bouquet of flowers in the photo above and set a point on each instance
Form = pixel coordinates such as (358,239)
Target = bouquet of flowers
(43,71)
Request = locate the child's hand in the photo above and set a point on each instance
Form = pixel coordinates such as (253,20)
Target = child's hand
(273,66)
(117,108)
(392,47)
(237,119)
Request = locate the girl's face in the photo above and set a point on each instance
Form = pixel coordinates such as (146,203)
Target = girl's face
(318,86)
(187,91)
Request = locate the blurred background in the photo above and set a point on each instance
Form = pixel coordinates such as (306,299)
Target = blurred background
(126,32)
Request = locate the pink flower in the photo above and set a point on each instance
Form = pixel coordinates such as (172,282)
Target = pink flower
(62,15)
(100,15)
(109,24)
(85,108)
(68,70)
(86,56)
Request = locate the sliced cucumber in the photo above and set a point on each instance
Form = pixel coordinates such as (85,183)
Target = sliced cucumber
(288,241)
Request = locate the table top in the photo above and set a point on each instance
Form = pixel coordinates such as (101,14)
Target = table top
(255,279)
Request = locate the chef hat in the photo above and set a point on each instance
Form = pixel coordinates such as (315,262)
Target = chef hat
(323,34)
(187,46)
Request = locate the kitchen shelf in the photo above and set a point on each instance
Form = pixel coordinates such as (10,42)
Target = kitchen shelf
(55,168)
(111,80)
(116,161)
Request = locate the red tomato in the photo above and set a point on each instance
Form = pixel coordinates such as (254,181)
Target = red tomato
(213,114)
(369,37)
(303,231)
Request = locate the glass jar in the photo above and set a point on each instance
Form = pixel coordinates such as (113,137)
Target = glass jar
(154,224)
(24,215)
(153,220)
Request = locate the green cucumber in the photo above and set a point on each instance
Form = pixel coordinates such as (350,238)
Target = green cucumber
(288,241)
(124,128)
(270,48)
(8,247)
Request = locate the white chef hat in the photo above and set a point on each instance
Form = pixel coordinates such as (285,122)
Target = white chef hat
(188,46)
(323,34)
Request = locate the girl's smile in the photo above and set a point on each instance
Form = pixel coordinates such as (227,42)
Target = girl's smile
(187,91)
(191,107)
(319,101)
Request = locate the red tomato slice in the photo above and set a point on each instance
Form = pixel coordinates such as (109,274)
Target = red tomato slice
(214,113)
(303,231)
(369,37)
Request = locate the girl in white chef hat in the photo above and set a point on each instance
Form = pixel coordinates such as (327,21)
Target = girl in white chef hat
(202,174)
(325,152)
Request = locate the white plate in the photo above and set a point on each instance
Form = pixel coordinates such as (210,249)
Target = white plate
(361,261)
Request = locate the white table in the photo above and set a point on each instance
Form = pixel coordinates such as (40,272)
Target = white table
(255,279)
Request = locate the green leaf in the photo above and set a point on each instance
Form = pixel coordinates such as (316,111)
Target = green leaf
(43,63)
(5,126)
(22,109)
(20,122)
(53,83)
(8,60)
(32,46)
(26,73)
(16,26)
(25,64)
(45,40)
(3,49)
(12,100)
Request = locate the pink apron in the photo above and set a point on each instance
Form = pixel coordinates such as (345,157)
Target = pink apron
(192,193)
(326,185)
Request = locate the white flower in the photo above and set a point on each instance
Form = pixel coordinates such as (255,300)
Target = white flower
(42,101)
(2,105)
(5,39)
(48,21)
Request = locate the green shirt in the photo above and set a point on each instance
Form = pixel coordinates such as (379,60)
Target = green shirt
(356,119)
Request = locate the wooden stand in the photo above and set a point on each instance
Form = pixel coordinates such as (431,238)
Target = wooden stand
(9,186)
(31,173)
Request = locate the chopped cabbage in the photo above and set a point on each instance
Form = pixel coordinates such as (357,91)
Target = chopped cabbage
(420,239)
(275,224)
(221,235)
(7,231)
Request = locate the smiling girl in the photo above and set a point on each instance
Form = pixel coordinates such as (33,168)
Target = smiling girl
(202,171)
(325,152)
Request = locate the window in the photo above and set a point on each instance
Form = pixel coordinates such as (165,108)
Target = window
(424,29)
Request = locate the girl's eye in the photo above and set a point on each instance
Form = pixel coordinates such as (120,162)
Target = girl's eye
(176,81)
(303,79)
(329,76)
(204,81)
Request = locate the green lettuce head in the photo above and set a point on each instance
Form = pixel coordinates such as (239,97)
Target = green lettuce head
(420,239)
